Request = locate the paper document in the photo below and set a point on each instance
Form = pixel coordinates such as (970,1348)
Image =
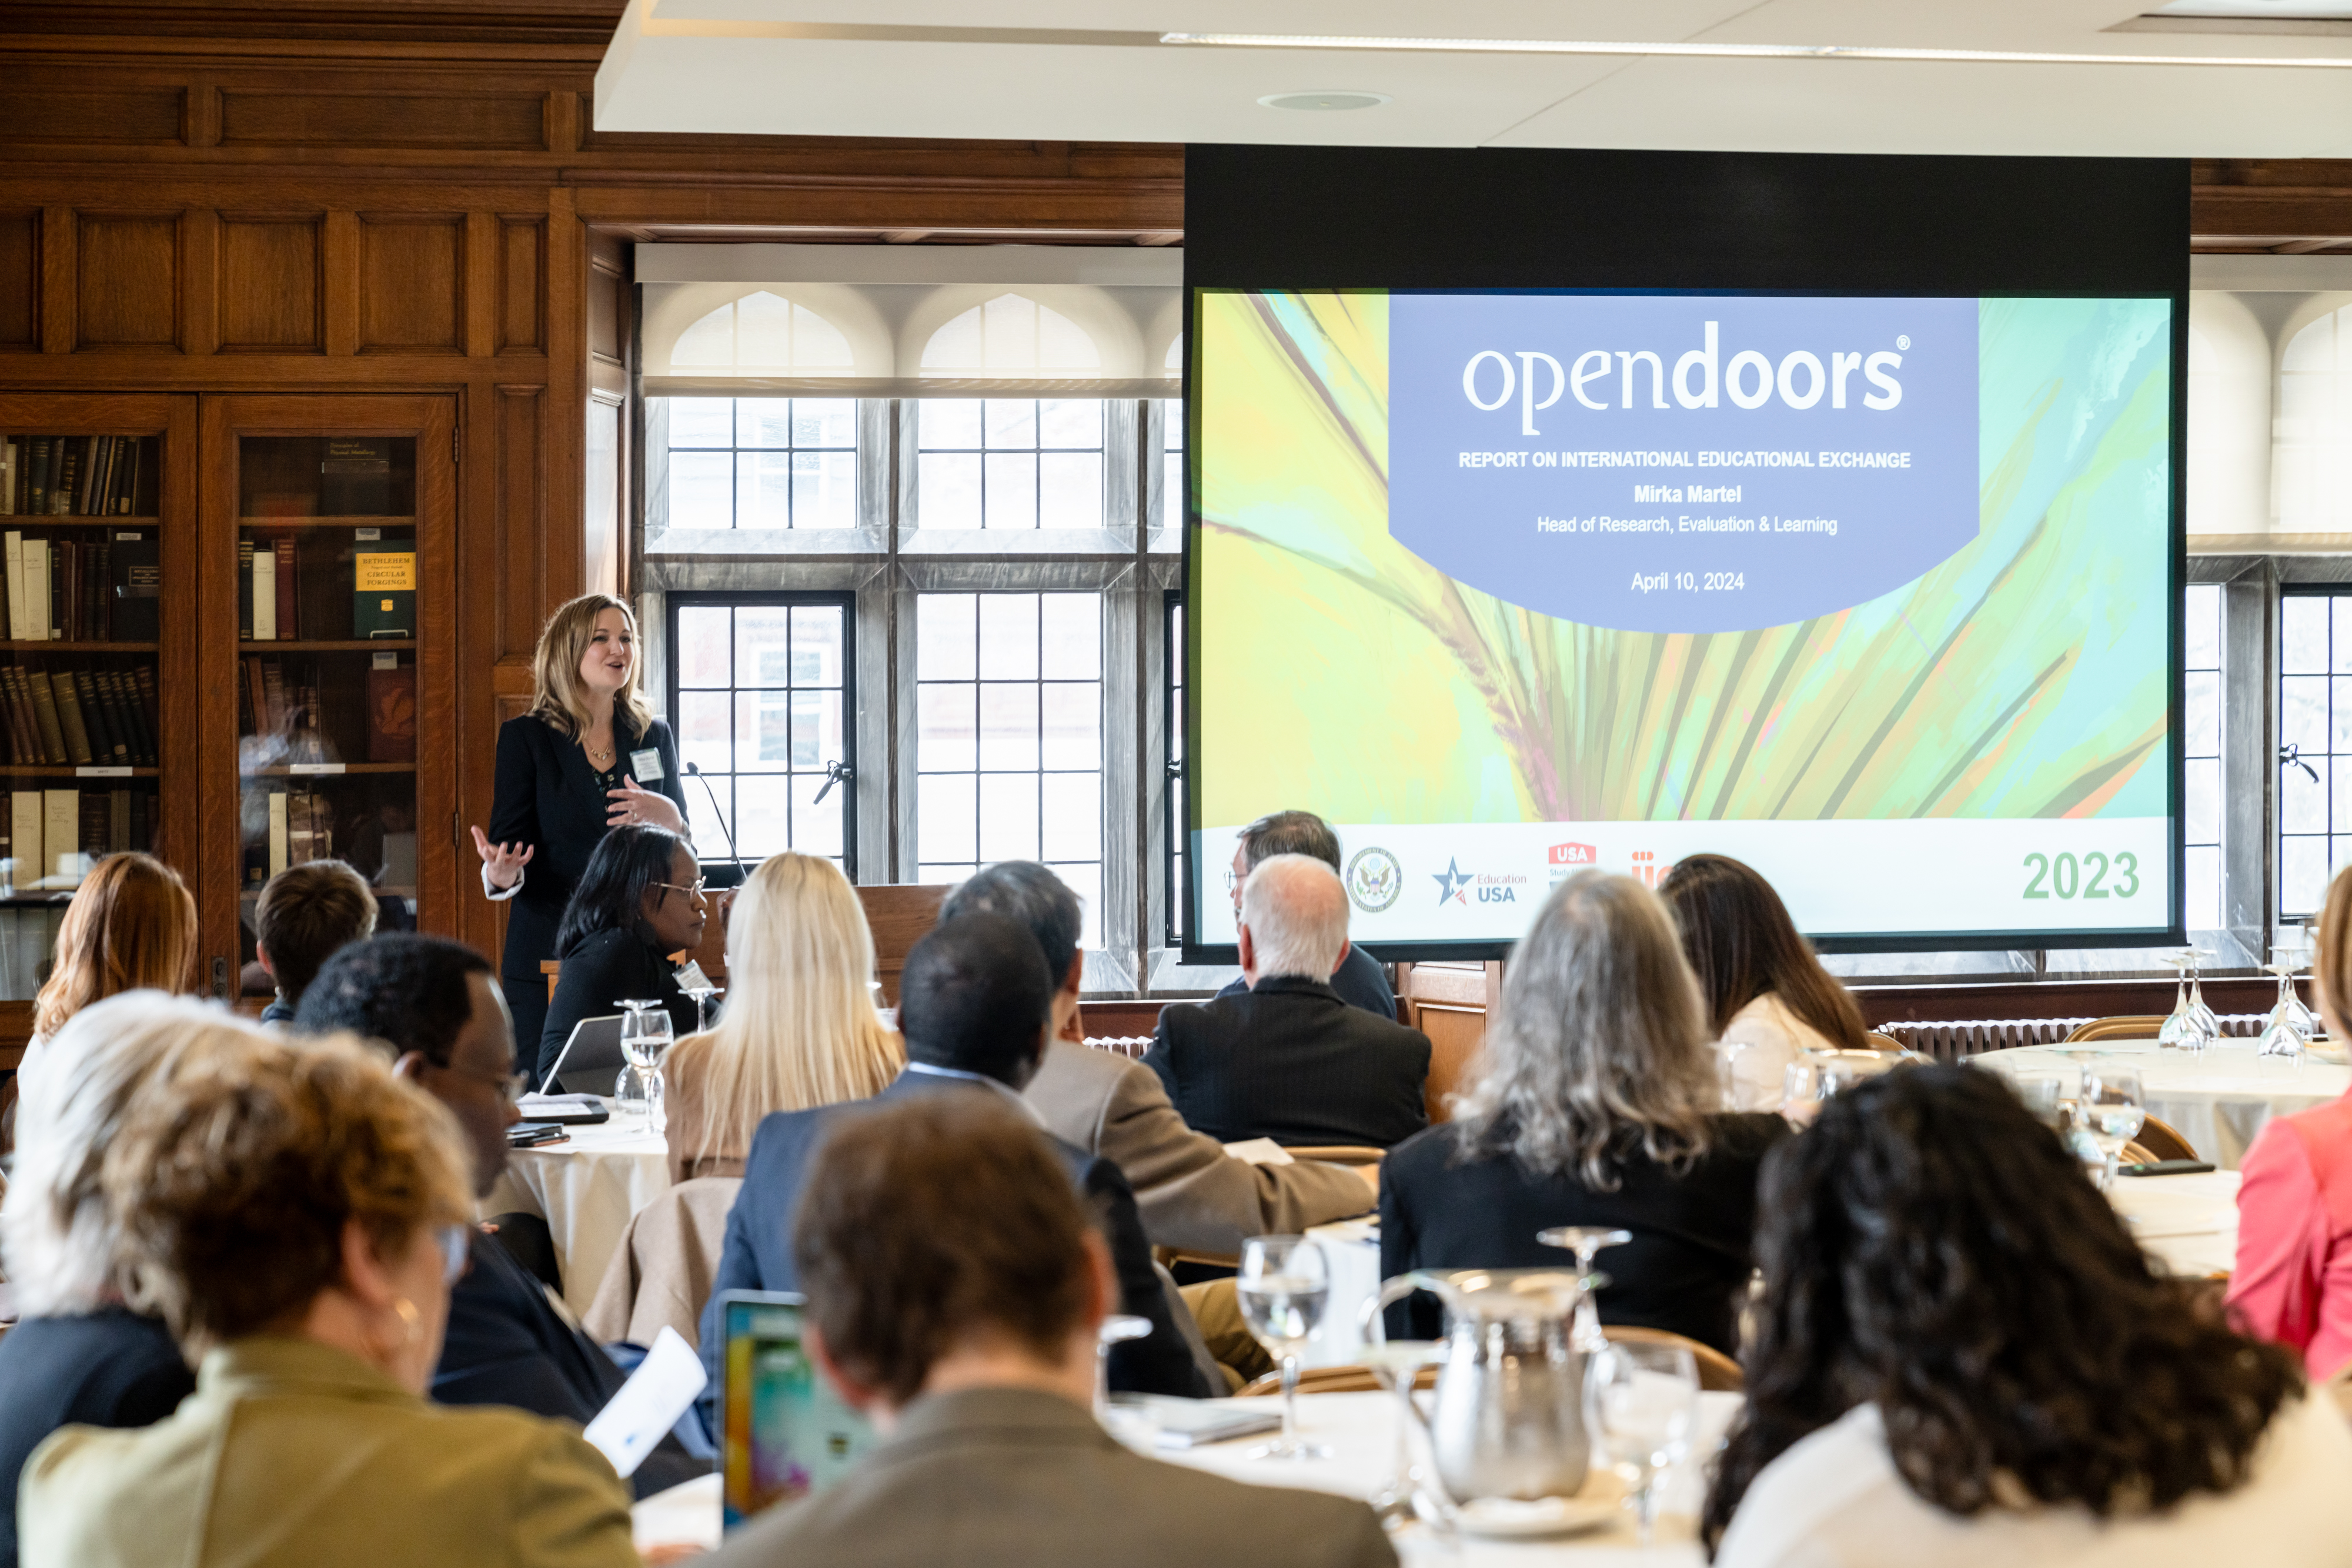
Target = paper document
(648,1404)
(1260,1152)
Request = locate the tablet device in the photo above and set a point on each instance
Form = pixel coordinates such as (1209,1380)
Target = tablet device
(783,1431)
(591,1062)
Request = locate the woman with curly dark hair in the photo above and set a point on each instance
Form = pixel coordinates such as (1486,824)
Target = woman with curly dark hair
(1961,1357)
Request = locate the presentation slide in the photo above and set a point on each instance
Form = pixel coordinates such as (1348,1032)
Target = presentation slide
(1873,593)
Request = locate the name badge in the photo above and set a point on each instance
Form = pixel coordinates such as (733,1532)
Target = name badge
(645,765)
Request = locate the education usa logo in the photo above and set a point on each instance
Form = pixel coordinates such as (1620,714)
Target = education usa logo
(1455,885)
(1375,880)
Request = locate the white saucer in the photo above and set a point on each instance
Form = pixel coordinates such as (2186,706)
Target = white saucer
(1512,1519)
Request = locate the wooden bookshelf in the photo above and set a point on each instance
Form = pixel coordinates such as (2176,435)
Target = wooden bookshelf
(328,769)
(272,525)
(355,645)
(15,645)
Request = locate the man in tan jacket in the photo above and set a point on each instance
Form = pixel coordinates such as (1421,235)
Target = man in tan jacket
(1192,1194)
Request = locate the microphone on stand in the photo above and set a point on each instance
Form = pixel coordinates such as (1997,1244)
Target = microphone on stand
(721,816)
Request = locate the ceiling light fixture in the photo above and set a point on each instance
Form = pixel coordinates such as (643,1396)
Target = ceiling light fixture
(1734,51)
(1325,101)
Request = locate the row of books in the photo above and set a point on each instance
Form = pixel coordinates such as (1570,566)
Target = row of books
(29,939)
(81,718)
(269,598)
(83,591)
(294,826)
(71,476)
(55,835)
(280,700)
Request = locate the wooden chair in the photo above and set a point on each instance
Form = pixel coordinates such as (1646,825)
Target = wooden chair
(551,968)
(2162,1141)
(900,914)
(1886,1042)
(1337,1153)
(2124,1026)
(1351,1378)
(1717,1372)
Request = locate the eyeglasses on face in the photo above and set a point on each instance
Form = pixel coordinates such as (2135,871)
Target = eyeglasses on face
(700,883)
(513,1086)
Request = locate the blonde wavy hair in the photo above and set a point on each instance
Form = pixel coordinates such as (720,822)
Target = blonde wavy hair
(556,697)
(132,927)
(1601,1048)
(800,1029)
(56,1235)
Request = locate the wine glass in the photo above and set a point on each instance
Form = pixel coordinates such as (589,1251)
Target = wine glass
(1117,1329)
(2044,1094)
(1395,1363)
(1801,1089)
(1585,1240)
(2208,1023)
(1283,1283)
(702,995)
(645,1037)
(2112,1109)
(2180,1024)
(1641,1402)
(1726,1067)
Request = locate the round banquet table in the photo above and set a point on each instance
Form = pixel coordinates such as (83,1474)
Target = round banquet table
(2219,1101)
(588,1188)
(1360,1429)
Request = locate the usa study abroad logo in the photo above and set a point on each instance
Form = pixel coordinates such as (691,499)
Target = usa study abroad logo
(1567,860)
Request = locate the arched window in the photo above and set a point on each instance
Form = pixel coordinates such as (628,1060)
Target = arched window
(763,331)
(2312,451)
(1011,332)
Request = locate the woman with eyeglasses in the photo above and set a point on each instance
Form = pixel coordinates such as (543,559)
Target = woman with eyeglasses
(296,1213)
(639,905)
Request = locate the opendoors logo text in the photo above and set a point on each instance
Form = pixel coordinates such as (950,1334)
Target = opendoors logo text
(1701,378)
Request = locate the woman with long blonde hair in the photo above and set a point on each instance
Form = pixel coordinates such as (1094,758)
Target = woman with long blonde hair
(1598,1106)
(132,927)
(589,757)
(800,1029)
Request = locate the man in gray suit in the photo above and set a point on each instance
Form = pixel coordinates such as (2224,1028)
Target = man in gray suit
(1191,1194)
(954,1291)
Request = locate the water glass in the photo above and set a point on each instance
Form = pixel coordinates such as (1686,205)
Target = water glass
(1118,1328)
(1726,1068)
(2112,1109)
(1641,1404)
(1283,1283)
(1585,1240)
(645,1036)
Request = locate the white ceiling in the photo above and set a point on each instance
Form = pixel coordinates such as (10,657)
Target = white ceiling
(997,68)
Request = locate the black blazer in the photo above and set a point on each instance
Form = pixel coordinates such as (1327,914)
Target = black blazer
(109,1368)
(758,1250)
(1293,1063)
(506,1345)
(1685,1270)
(548,796)
(1358,979)
(609,967)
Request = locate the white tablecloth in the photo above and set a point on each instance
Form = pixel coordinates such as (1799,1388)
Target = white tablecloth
(2218,1102)
(1360,1429)
(588,1188)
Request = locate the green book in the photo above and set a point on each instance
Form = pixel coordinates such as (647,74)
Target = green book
(383,593)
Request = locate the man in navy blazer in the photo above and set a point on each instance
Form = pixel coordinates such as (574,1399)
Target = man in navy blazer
(436,1005)
(976,1004)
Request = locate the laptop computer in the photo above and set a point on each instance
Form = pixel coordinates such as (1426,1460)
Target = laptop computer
(592,1060)
(783,1431)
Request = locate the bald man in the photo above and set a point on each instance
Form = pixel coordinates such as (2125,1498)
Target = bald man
(1288,1059)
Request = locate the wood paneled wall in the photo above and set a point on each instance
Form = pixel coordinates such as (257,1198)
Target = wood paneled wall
(396,205)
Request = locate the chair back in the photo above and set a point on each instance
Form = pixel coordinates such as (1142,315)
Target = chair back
(1350,1378)
(1887,1042)
(2123,1026)
(1337,1153)
(662,1273)
(900,914)
(1717,1372)
(2163,1141)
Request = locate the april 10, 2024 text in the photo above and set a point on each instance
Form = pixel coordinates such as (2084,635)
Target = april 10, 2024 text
(1689,582)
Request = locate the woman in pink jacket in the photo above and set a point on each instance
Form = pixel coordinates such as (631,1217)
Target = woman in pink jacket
(2293,1278)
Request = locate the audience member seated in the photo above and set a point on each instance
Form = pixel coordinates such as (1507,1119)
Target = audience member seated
(1597,1105)
(130,926)
(305,914)
(1359,979)
(955,1287)
(296,1213)
(1191,1194)
(436,1007)
(2293,1283)
(976,1004)
(799,1030)
(1961,1357)
(80,1355)
(1288,1059)
(639,901)
(1762,986)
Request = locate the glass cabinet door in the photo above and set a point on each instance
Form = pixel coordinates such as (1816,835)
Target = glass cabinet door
(333,540)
